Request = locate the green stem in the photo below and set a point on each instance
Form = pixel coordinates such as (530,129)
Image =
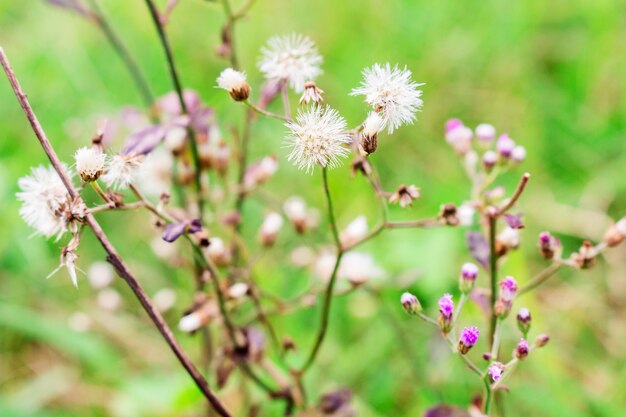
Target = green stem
(493,274)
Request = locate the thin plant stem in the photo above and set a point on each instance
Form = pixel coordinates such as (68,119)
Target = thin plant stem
(495,347)
(516,195)
(493,273)
(112,255)
(154,13)
(540,278)
(265,112)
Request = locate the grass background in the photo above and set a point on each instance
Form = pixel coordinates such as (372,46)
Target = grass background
(552,74)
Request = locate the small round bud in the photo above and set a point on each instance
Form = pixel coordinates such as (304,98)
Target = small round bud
(495,371)
(542,340)
(296,211)
(410,303)
(616,233)
(469,272)
(521,350)
(459,136)
(369,136)
(235,83)
(505,145)
(446,311)
(468,338)
(270,228)
(449,214)
(549,245)
(490,159)
(585,258)
(504,302)
(485,132)
(524,320)
(354,232)
(518,154)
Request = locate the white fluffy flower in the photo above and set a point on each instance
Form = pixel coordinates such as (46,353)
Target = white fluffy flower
(392,92)
(373,124)
(155,176)
(122,171)
(89,163)
(317,137)
(292,58)
(235,83)
(44,200)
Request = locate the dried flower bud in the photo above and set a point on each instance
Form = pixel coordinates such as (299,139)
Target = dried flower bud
(616,233)
(542,340)
(270,228)
(355,231)
(369,136)
(235,83)
(485,132)
(312,93)
(446,311)
(524,320)
(218,253)
(469,336)
(449,214)
(490,159)
(296,211)
(410,303)
(89,163)
(469,272)
(260,172)
(504,302)
(175,140)
(521,350)
(585,258)
(508,239)
(518,154)
(495,371)
(505,145)
(405,195)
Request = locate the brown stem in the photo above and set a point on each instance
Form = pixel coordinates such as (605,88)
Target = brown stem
(518,192)
(112,257)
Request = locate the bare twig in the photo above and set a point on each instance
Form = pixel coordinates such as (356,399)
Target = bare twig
(113,256)
(518,192)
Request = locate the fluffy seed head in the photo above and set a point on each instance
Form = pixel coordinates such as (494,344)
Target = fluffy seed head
(391,92)
(292,58)
(122,171)
(317,137)
(89,163)
(235,83)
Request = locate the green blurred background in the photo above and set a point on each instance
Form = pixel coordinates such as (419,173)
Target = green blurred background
(551,74)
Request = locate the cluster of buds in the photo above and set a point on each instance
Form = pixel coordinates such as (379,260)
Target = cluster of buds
(467,279)
(446,311)
(410,303)
(469,337)
(405,194)
(550,246)
(585,258)
(504,302)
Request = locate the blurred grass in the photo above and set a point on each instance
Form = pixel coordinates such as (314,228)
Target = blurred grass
(552,74)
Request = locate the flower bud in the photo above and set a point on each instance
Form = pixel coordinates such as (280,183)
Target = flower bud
(312,93)
(524,320)
(616,233)
(446,311)
(405,195)
(355,231)
(296,211)
(410,303)
(549,245)
(521,350)
(585,258)
(469,272)
(508,239)
(218,253)
(468,338)
(449,214)
(89,163)
(270,228)
(369,136)
(505,145)
(518,154)
(490,159)
(260,172)
(485,132)
(459,136)
(542,340)
(466,212)
(495,371)
(221,158)
(235,83)
(504,302)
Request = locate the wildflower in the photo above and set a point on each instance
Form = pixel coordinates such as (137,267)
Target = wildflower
(490,158)
(468,338)
(405,195)
(518,154)
(46,204)
(260,172)
(505,145)
(100,275)
(507,240)
(410,303)
(549,245)
(122,171)
(392,93)
(317,137)
(485,132)
(270,228)
(89,163)
(508,290)
(296,211)
(524,320)
(235,83)
(369,136)
(542,340)
(354,232)
(292,58)
(312,93)
(200,315)
(586,256)
(495,371)
(459,136)
(469,272)
(446,310)
(521,350)
(173,231)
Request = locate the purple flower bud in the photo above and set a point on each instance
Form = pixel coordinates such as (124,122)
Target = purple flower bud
(505,145)
(485,132)
(490,158)
(521,351)
(508,289)
(518,154)
(446,310)
(453,124)
(175,230)
(495,371)
(523,320)
(468,338)
(469,272)
(410,303)
(549,245)
(542,340)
